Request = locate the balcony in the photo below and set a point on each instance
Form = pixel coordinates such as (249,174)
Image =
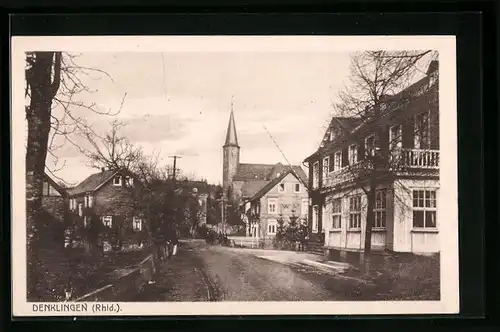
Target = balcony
(417,158)
(402,160)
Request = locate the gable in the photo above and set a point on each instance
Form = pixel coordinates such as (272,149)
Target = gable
(51,188)
(288,176)
(340,126)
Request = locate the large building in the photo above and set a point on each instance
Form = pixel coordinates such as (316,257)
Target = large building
(268,191)
(407,195)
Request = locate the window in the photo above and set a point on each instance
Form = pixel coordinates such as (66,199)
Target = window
(424,208)
(107,221)
(46,188)
(136,224)
(91,201)
(272,206)
(337,163)
(86,201)
(332,135)
(353,154)
(326,166)
(316,174)
(271,227)
(433,78)
(117,181)
(355,211)
(370,145)
(380,206)
(80,209)
(422,138)
(129,182)
(395,137)
(305,207)
(86,220)
(72,204)
(337,213)
(281,187)
(297,187)
(315,218)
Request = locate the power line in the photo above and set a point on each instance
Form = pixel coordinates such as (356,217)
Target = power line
(164,75)
(283,154)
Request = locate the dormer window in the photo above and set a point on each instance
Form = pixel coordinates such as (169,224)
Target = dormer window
(117,181)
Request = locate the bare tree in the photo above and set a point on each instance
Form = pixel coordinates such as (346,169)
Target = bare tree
(380,85)
(53,79)
(113,151)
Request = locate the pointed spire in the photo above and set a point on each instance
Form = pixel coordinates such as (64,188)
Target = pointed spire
(231,137)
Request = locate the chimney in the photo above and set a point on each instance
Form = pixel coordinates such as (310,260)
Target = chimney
(103,169)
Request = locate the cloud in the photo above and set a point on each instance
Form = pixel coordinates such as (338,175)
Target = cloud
(155,128)
(179,103)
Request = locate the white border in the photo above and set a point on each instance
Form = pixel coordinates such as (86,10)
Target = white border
(449,302)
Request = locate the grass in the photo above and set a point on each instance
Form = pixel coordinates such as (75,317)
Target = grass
(403,277)
(58,269)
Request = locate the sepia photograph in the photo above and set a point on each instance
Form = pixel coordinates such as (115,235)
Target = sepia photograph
(234,175)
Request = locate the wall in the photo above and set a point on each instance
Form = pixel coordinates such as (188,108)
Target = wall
(406,238)
(231,161)
(353,239)
(56,206)
(237,187)
(286,202)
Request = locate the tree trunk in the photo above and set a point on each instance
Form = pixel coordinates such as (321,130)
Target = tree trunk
(370,219)
(38,113)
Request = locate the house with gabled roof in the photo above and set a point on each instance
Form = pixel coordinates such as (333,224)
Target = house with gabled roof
(406,202)
(268,190)
(108,198)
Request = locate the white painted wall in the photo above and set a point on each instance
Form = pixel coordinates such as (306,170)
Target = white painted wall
(406,238)
(346,238)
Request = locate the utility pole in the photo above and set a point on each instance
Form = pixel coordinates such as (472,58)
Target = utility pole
(175,167)
(173,188)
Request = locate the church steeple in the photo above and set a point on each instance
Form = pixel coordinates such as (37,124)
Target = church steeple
(231,137)
(231,150)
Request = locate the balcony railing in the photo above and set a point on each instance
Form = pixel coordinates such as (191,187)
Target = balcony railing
(402,160)
(418,158)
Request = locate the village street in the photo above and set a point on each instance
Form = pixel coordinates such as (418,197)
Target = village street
(213,273)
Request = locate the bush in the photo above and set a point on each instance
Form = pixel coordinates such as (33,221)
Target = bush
(287,235)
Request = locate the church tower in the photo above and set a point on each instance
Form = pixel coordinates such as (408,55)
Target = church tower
(231,157)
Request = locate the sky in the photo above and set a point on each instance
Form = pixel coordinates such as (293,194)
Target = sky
(179,104)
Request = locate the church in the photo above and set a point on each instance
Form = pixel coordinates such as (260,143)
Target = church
(266,191)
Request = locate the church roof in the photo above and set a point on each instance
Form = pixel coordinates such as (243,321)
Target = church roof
(265,172)
(247,172)
(251,187)
(231,137)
